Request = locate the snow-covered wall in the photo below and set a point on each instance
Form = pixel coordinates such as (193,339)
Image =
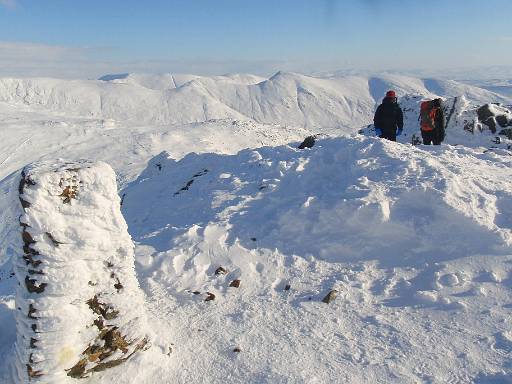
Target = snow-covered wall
(80,309)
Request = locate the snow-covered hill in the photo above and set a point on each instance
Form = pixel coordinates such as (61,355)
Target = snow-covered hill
(285,98)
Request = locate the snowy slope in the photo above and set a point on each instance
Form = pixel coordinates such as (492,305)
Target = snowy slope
(29,136)
(500,86)
(417,242)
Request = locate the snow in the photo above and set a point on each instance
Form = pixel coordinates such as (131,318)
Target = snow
(416,240)
(408,236)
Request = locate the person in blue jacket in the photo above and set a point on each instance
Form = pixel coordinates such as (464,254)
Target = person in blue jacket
(389,119)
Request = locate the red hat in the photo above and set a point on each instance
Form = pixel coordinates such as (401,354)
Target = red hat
(390,94)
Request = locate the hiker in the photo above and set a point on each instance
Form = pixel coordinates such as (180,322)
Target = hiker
(432,122)
(389,119)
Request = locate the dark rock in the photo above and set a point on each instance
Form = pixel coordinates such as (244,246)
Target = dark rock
(102,309)
(484,112)
(330,296)
(237,350)
(29,259)
(469,126)
(99,323)
(33,287)
(506,132)
(52,239)
(253,239)
(309,142)
(33,373)
(31,311)
(209,296)
(502,120)
(118,286)
(184,188)
(235,283)
(287,287)
(491,123)
(108,342)
(201,173)
(69,192)
(221,271)
(25,180)
(27,237)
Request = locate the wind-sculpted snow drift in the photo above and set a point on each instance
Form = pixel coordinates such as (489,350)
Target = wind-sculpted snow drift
(411,238)
(345,199)
(80,309)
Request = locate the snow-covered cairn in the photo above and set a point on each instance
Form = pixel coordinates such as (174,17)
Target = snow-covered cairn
(80,309)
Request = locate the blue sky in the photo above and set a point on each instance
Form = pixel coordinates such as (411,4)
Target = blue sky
(52,37)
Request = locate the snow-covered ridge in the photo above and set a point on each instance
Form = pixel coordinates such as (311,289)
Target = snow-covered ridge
(80,309)
(285,98)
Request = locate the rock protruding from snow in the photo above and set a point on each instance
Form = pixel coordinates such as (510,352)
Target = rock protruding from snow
(494,116)
(80,309)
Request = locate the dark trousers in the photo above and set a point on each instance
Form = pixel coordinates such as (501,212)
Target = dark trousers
(430,137)
(388,135)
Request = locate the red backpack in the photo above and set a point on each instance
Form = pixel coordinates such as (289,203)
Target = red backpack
(428,113)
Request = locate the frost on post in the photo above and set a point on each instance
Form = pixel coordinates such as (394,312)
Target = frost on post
(80,309)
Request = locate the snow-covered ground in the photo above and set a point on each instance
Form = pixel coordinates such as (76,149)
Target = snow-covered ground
(416,240)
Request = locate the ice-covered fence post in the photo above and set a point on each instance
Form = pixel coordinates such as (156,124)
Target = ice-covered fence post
(80,309)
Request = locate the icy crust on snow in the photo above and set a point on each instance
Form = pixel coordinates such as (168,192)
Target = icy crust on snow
(80,309)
